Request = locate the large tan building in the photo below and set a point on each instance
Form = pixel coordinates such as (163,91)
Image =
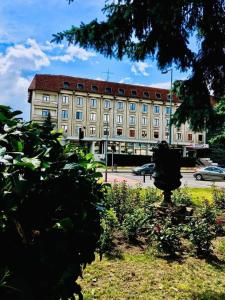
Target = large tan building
(135,117)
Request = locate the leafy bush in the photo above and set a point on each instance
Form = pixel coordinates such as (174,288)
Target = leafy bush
(181,197)
(219,198)
(49,216)
(109,224)
(133,224)
(166,236)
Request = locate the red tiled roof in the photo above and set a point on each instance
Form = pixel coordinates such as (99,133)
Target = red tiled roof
(55,83)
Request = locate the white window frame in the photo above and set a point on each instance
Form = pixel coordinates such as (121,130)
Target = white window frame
(119,119)
(45,98)
(144,120)
(156,109)
(107,104)
(131,106)
(132,120)
(144,105)
(65,99)
(93,116)
(93,103)
(63,113)
(179,136)
(79,101)
(65,128)
(120,105)
(106,118)
(155,122)
(45,112)
(167,110)
(81,113)
(92,132)
(144,135)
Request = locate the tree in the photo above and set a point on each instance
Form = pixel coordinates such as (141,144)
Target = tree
(161,30)
(49,212)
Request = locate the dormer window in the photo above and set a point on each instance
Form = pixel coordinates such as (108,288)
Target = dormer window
(146,94)
(158,95)
(80,86)
(169,97)
(108,90)
(94,88)
(66,85)
(133,93)
(121,92)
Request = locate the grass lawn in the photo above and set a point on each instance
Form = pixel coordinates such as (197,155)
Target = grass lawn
(200,194)
(138,275)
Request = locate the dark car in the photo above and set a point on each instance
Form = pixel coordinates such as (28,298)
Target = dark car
(145,169)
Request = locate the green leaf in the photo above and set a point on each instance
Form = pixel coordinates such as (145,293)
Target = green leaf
(64,224)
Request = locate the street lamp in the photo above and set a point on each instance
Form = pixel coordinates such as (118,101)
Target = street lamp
(106,148)
(170,116)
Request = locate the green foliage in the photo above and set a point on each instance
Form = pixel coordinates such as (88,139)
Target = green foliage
(181,197)
(219,198)
(49,215)
(152,29)
(167,236)
(133,224)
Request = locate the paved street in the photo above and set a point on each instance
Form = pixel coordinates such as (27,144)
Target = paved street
(187,180)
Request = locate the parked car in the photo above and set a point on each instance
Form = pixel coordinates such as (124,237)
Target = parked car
(145,169)
(210,173)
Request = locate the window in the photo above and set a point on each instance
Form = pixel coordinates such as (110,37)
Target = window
(156,122)
(144,108)
(119,105)
(156,109)
(65,99)
(156,135)
(46,98)
(144,133)
(119,131)
(132,106)
(132,120)
(66,85)
(179,136)
(45,112)
(106,131)
(92,130)
(189,136)
(133,93)
(93,103)
(119,119)
(79,115)
(106,118)
(167,122)
(121,92)
(200,138)
(79,101)
(167,135)
(107,104)
(65,128)
(94,88)
(167,110)
(146,94)
(108,90)
(158,95)
(92,116)
(132,133)
(144,121)
(77,129)
(169,96)
(64,114)
(80,86)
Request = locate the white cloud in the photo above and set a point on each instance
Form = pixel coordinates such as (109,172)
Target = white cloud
(73,52)
(139,68)
(161,85)
(125,79)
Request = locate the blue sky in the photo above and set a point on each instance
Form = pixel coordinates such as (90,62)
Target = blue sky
(26,28)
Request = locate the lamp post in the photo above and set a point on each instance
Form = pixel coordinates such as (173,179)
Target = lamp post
(106,149)
(170,115)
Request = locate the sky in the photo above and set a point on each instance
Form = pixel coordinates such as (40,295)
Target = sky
(26,29)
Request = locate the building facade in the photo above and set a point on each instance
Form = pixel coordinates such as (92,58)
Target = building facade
(130,118)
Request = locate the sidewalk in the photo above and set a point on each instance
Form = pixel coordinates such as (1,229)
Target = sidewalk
(129,169)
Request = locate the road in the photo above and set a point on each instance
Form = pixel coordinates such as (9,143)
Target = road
(188,180)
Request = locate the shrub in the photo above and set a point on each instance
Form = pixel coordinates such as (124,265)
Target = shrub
(133,224)
(181,197)
(219,198)
(49,216)
(166,236)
